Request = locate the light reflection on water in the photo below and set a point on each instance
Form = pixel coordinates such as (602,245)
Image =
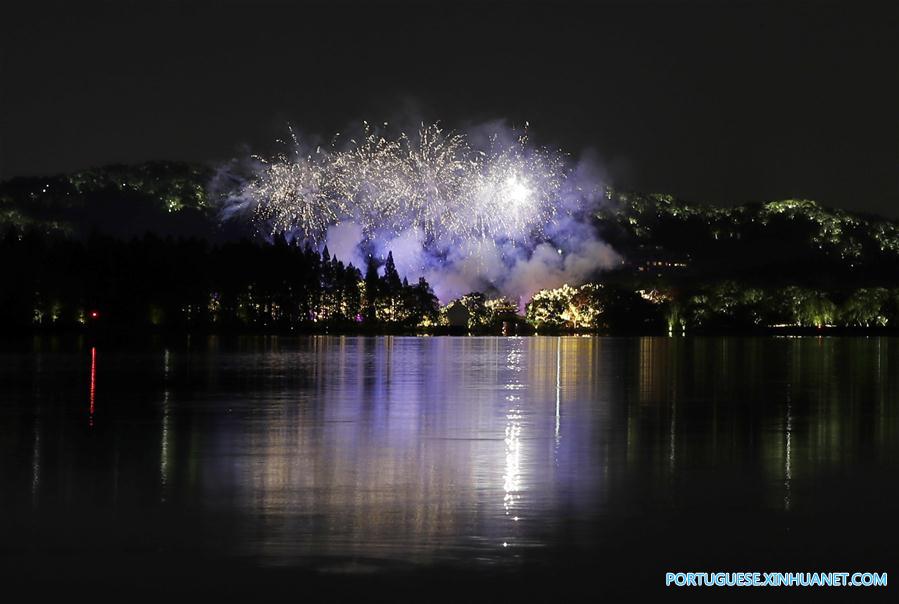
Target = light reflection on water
(407,448)
(474,451)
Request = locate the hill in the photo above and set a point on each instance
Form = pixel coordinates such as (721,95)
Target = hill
(166,198)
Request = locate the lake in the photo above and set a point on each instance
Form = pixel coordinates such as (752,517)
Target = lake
(440,468)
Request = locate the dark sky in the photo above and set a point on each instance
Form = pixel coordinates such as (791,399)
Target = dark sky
(712,101)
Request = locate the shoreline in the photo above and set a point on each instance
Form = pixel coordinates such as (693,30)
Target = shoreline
(126,333)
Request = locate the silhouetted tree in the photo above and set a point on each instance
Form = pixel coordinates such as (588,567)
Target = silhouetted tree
(372,291)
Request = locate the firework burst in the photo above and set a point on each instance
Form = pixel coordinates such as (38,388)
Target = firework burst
(434,181)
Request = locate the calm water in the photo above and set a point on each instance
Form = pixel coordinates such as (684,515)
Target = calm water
(489,468)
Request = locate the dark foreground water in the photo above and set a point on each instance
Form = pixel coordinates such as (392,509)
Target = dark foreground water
(423,469)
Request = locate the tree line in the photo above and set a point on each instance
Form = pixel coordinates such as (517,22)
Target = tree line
(156,282)
(721,306)
(152,282)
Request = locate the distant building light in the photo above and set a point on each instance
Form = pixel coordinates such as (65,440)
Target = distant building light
(95,314)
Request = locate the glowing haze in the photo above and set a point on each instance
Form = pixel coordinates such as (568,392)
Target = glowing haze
(482,210)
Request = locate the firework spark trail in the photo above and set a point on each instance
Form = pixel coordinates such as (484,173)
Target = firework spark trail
(469,209)
(434,181)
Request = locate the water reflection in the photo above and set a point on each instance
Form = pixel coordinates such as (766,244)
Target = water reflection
(366,451)
(93,389)
(511,477)
(36,462)
(166,426)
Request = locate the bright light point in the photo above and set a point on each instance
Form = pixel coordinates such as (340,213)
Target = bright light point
(95,314)
(516,190)
(505,544)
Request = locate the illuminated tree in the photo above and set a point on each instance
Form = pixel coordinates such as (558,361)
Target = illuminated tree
(422,304)
(805,307)
(549,308)
(585,306)
(478,315)
(500,310)
(865,308)
(390,298)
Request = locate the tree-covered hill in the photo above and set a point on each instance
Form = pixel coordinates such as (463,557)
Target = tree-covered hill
(167,198)
(783,264)
(667,241)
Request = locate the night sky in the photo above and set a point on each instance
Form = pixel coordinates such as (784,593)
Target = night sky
(726,103)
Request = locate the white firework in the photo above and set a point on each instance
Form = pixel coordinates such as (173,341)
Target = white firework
(434,181)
